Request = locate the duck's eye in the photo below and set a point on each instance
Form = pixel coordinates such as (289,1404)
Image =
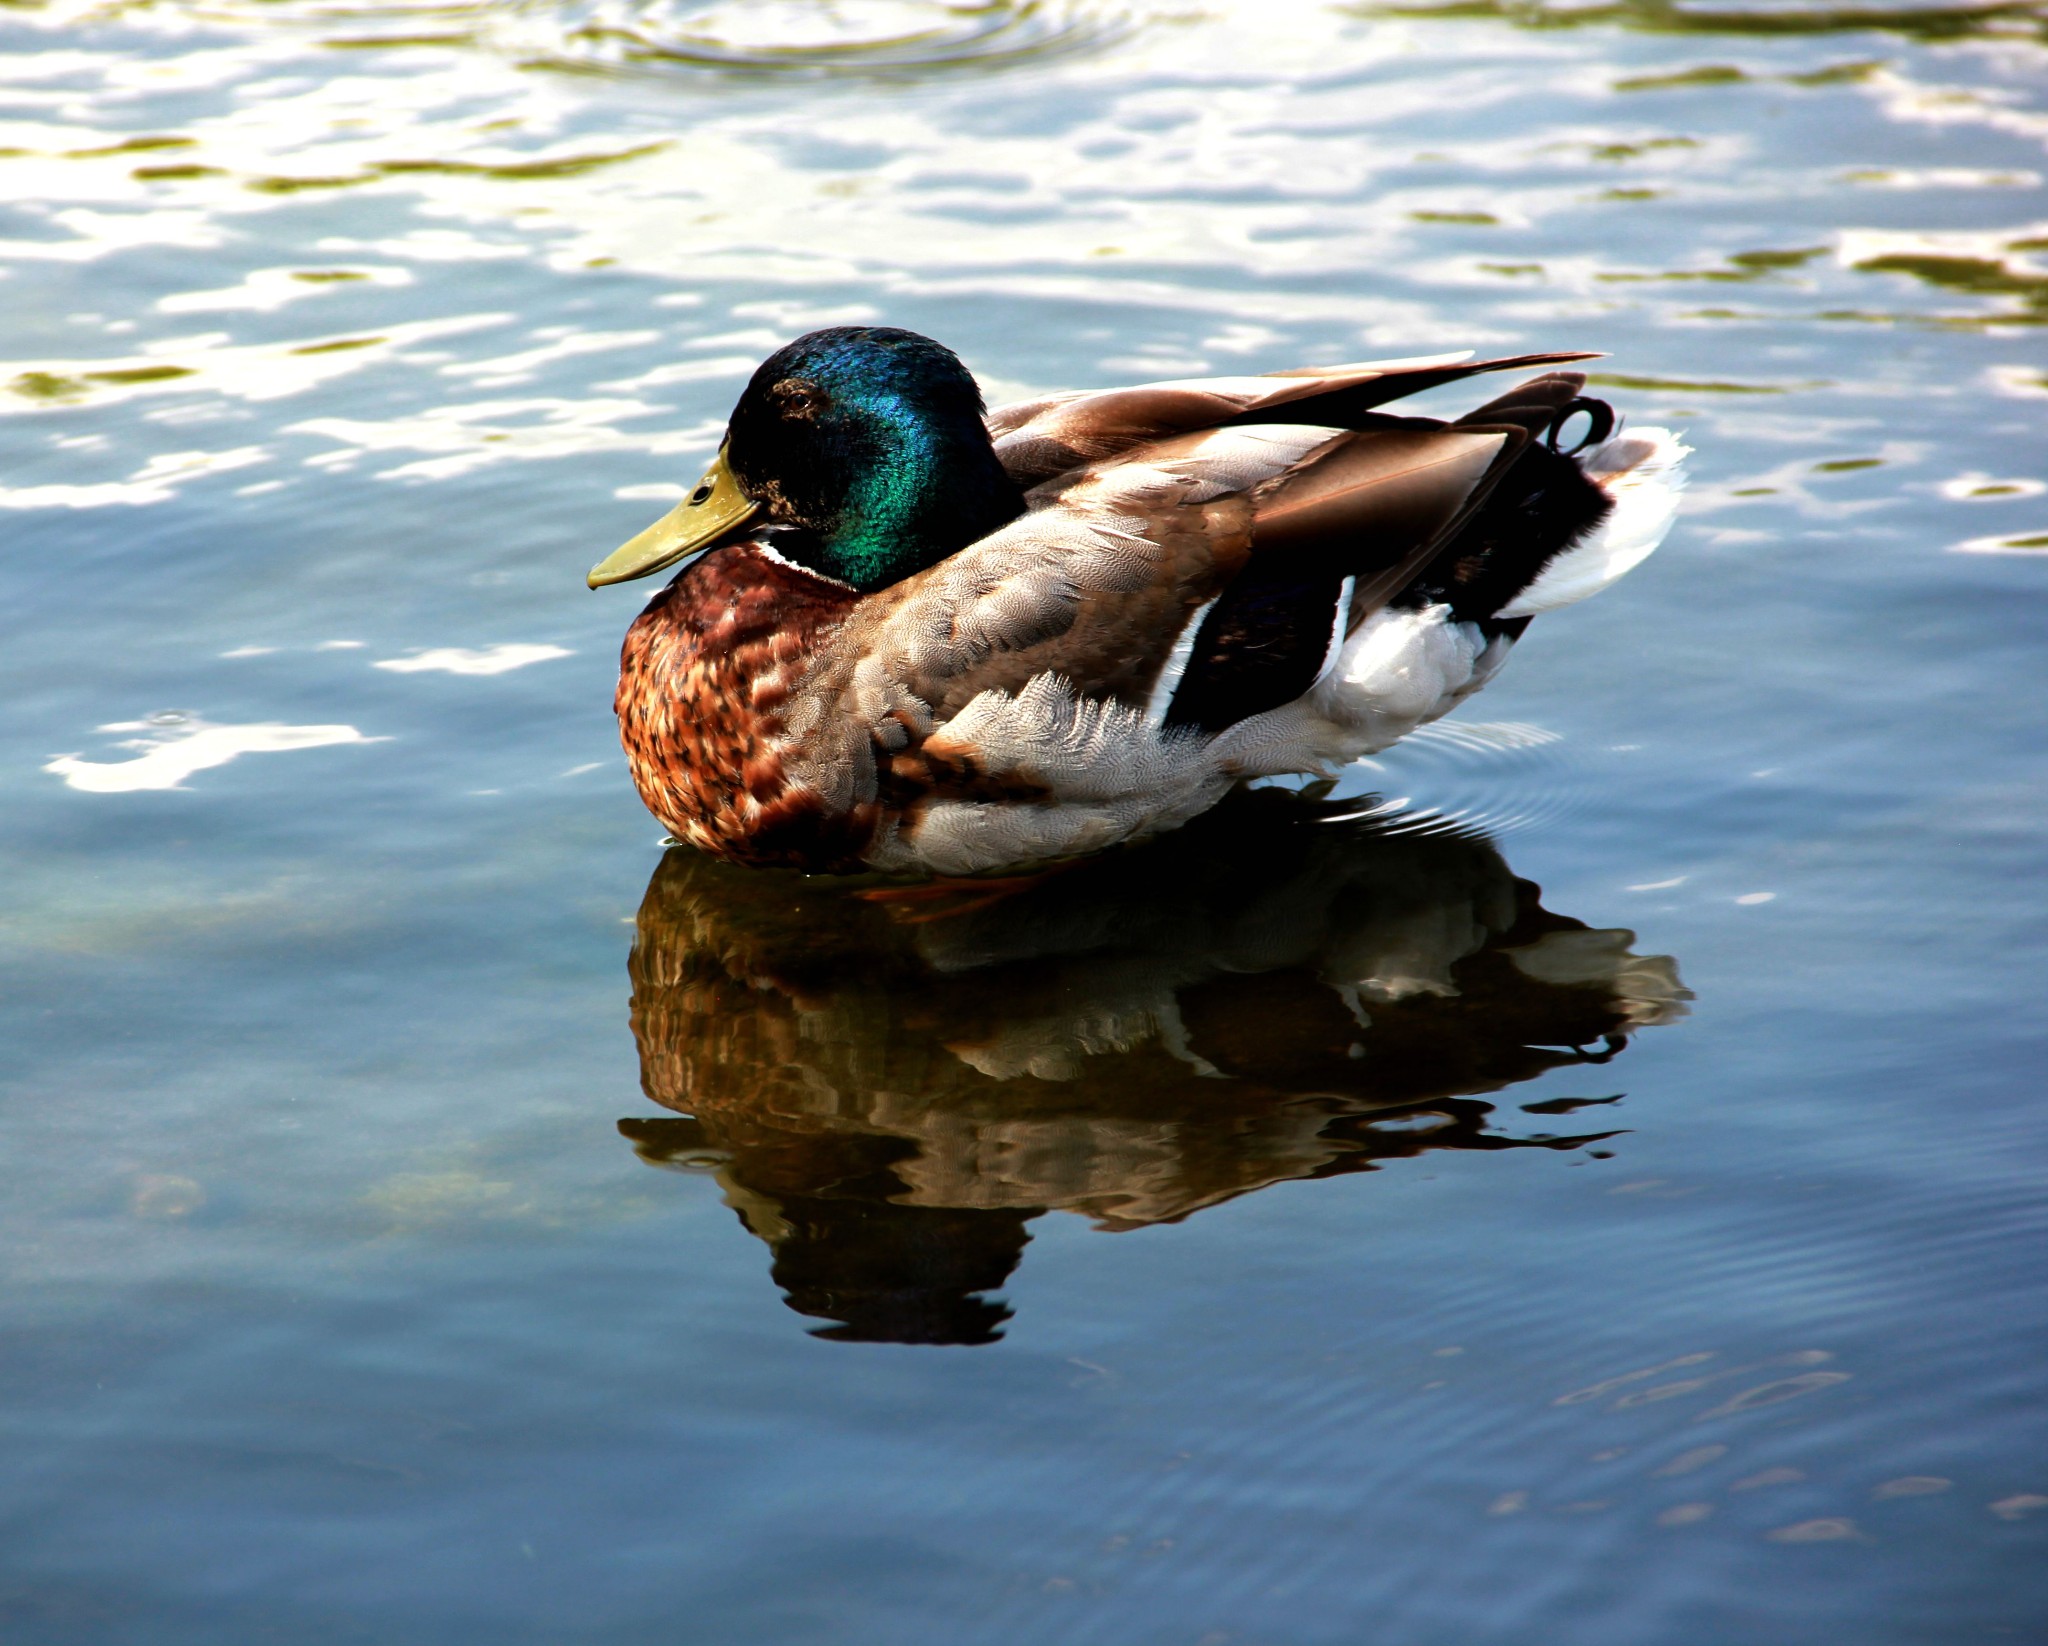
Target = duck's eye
(798,399)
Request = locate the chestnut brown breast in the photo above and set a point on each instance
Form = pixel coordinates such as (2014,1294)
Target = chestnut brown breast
(706,678)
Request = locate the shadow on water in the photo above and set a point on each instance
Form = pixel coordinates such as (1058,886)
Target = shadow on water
(891,1082)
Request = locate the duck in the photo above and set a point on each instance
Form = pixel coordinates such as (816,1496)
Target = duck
(913,637)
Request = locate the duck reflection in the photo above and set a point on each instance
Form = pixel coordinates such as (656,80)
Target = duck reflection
(891,1082)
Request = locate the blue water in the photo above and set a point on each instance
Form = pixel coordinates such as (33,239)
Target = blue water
(430,1216)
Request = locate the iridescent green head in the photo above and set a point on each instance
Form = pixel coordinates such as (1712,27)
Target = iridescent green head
(866,442)
(870,442)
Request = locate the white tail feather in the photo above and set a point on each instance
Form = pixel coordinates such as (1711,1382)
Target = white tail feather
(1643,471)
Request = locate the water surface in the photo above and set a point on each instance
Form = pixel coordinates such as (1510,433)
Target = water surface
(1591,1192)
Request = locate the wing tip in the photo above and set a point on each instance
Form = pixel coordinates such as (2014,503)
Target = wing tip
(1376,368)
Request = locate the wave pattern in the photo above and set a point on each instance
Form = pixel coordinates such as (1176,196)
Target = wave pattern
(1457,777)
(1427,1315)
(771,38)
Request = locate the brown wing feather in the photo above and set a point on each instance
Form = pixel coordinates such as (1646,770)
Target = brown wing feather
(1038,439)
(1550,393)
(1341,402)
(1109,637)
(1375,507)
(1120,638)
(1370,502)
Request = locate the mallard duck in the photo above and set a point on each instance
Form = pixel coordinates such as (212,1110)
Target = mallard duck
(912,638)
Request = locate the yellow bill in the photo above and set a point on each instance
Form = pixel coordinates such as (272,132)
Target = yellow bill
(693,525)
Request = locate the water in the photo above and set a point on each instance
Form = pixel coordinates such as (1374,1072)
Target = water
(433,1216)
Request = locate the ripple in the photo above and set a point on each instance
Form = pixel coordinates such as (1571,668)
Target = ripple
(1829,1529)
(173,746)
(499,659)
(2016,543)
(775,38)
(1492,777)
(820,37)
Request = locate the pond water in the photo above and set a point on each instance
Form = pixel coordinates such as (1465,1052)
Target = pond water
(434,1214)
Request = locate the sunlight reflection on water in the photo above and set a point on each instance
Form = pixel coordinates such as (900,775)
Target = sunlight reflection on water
(339,338)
